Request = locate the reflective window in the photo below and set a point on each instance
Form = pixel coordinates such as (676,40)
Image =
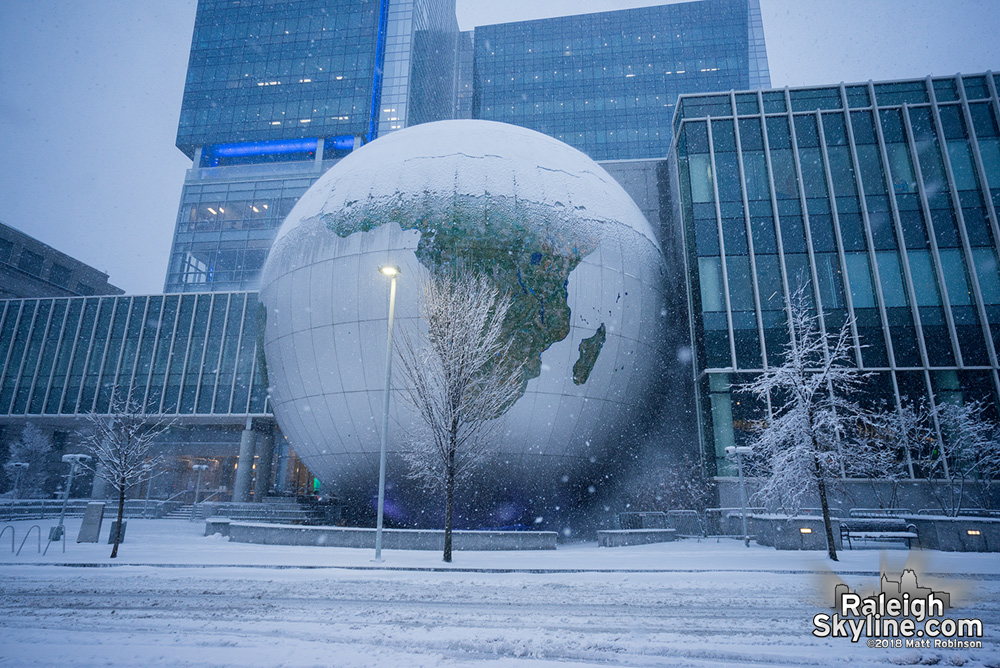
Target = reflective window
(30,262)
(953,267)
(891,278)
(710,278)
(859,278)
(924,278)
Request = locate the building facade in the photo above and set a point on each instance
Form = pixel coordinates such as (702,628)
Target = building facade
(275,94)
(30,268)
(278,92)
(607,83)
(880,199)
(192,358)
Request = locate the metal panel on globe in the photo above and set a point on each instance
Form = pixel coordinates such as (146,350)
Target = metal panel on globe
(551,226)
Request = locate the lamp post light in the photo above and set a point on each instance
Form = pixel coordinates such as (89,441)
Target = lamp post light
(197,488)
(392,272)
(739,452)
(18,469)
(75,462)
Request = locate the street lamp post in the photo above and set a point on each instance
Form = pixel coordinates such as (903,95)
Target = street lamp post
(197,487)
(75,462)
(149,483)
(392,272)
(738,452)
(18,469)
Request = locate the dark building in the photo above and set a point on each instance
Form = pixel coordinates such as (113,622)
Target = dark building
(607,83)
(30,268)
(881,198)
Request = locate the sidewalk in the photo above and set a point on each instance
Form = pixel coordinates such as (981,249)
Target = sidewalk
(178,543)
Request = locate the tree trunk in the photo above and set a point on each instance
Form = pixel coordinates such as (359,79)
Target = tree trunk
(961,496)
(831,547)
(121,514)
(449,499)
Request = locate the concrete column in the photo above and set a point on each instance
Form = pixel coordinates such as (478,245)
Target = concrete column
(265,453)
(99,490)
(244,466)
(319,153)
(281,468)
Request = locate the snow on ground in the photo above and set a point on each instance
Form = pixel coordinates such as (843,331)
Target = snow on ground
(176,598)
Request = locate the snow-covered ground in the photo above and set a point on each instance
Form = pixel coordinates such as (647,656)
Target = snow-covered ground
(175,598)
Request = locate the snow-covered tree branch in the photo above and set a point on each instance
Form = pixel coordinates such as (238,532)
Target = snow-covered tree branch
(33,449)
(882,447)
(459,378)
(969,450)
(120,441)
(799,447)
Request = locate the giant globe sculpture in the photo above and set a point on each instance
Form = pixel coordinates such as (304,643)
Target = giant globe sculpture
(558,233)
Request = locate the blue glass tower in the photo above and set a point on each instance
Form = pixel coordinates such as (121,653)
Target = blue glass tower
(275,94)
(607,83)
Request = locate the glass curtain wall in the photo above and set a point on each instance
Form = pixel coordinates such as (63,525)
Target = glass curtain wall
(879,200)
(175,354)
(607,83)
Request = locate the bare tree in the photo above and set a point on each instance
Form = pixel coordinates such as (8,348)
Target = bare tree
(969,449)
(799,447)
(33,449)
(459,377)
(882,448)
(120,441)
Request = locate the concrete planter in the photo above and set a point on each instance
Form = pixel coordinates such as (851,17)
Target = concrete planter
(957,534)
(802,532)
(392,539)
(217,525)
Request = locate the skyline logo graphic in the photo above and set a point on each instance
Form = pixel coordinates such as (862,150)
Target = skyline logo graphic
(900,613)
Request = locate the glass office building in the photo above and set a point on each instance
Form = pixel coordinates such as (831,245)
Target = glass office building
(882,198)
(607,83)
(278,92)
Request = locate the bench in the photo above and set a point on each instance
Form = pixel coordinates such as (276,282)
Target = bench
(879,529)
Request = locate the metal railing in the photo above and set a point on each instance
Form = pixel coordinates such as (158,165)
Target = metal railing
(40,509)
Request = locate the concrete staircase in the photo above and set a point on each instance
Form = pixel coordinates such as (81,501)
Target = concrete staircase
(182,513)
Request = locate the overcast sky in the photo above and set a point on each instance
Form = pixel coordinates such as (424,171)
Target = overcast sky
(90,93)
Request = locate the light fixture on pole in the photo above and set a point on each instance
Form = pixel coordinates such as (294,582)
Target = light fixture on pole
(392,272)
(197,488)
(739,452)
(75,462)
(18,469)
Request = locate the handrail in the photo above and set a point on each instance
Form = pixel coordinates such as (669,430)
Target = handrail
(184,491)
(12,532)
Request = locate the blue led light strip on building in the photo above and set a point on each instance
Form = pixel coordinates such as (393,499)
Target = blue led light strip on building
(264,147)
(275,147)
(383,20)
